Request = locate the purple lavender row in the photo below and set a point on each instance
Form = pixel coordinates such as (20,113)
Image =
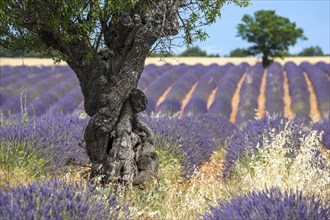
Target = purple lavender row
(50,97)
(226,89)
(269,204)
(180,89)
(249,94)
(42,84)
(298,89)
(151,73)
(27,77)
(17,79)
(274,92)
(321,86)
(207,83)
(324,66)
(159,86)
(68,103)
(8,73)
(59,199)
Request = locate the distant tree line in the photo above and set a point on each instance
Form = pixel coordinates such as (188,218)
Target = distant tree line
(312,51)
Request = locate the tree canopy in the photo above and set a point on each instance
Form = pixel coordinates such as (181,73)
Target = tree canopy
(311,52)
(55,27)
(193,52)
(270,34)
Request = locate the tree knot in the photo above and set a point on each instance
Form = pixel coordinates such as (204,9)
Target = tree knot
(138,100)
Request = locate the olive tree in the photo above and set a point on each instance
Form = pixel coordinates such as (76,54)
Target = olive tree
(106,43)
(270,34)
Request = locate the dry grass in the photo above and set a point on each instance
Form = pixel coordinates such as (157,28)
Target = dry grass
(262,98)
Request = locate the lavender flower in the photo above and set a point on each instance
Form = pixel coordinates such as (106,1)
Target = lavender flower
(298,89)
(324,66)
(150,73)
(184,83)
(157,88)
(321,86)
(253,134)
(194,138)
(208,82)
(249,94)
(56,138)
(225,91)
(56,199)
(269,204)
(324,126)
(195,106)
(274,89)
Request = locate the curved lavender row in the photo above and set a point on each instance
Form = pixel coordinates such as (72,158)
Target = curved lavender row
(269,204)
(254,133)
(184,83)
(59,199)
(298,89)
(21,81)
(208,82)
(195,138)
(274,92)
(249,94)
(324,66)
(9,74)
(29,76)
(169,107)
(161,84)
(151,73)
(55,137)
(196,106)
(68,103)
(324,127)
(50,97)
(40,86)
(225,91)
(321,86)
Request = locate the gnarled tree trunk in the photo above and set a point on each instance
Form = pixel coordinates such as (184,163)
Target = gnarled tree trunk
(119,145)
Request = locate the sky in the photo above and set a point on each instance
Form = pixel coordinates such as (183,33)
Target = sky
(312,16)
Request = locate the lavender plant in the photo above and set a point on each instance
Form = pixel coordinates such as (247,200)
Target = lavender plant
(208,82)
(274,89)
(169,107)
(286,156)
(225,91)
(298,89)
(324,66)
(321,86)
(249,94)
(195,106)
(150,73)
(193,138)
(161,84)
(269,204)
(324,126)
(184,83)
(56,138)
(57,199)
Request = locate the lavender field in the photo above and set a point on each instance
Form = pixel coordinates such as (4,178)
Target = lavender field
(250,143)
(180,89)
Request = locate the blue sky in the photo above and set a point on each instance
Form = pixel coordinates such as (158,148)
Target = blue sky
(311,15)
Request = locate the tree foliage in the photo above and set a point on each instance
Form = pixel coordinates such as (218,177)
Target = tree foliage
(311,52)
(239,52)
(269,34)
(193,52)
(53,26)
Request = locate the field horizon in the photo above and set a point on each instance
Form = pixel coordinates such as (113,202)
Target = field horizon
(4,61)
